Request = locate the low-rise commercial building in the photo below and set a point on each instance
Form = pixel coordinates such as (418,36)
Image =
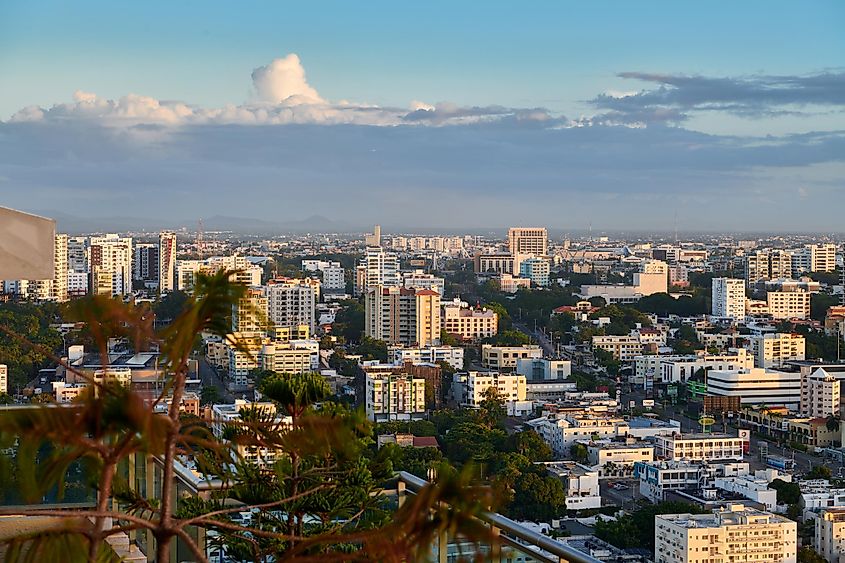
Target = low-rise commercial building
(452,355)
(616,459)
(562,432)
(542,369)
(699,447)
(658,478)
(581,484)
(469,323)
(757,386)
(504,358)
(511,284)
(623,348)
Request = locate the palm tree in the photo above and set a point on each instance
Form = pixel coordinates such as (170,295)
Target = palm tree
(320,469)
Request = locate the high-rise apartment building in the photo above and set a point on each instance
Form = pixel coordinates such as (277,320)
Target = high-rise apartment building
(813,258)
(731,533)
(249,314)
(244,272)
(379,268)
(111,265)
(292,302)
(166,261)
(535,269)
(728,298)
(788,304)
(418,279)
(395,397)
(77,254)
(830,534)
(4,378)
(145,264)
(773,349)
(767,265)
(527,242)
(374,238)
(403,316)
(820,397)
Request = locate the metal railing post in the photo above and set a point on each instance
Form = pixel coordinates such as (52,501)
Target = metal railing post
(495,545)
(400,492)
(442,547)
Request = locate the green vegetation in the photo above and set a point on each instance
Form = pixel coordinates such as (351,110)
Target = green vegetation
(27,343)
(318,497)
(349,321)
(819,472)
(664,305)
(788,493)
(637,528)
(508,338)
(809,555)
(820,303)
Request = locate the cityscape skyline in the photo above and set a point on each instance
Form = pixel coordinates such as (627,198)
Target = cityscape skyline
(629,138)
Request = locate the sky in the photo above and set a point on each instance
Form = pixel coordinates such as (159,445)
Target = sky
(619,115)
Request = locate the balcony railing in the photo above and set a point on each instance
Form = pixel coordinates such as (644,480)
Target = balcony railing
(511,534)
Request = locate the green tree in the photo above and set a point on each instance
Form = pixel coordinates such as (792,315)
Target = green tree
(447,339)
(578,452)
(508,338)
(537,497)
(349,320)
(372,349)
(322,482)
(492,407)
(819,472)
(504,316)
(529,444)
(210,395)
(809,555)
(636,529)
(787,493)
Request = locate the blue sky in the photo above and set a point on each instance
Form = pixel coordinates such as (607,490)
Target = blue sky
(555,58)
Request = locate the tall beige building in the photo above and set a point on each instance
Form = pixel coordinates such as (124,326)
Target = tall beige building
(768,265)
(292,302)
(525,242)
(249,314)
(788,304)
(820,394)
(403,316)
(830,534)
(166,261)
(733,533)
(111,265)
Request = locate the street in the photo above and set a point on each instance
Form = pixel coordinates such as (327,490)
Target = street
(209,377)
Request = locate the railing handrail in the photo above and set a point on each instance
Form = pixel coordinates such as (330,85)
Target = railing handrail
(512,528)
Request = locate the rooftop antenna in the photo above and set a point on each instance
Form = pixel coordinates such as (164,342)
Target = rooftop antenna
(200,242)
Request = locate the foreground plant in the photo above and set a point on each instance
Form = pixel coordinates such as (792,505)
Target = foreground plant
(317,499)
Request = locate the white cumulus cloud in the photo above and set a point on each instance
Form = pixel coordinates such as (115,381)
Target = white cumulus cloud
(282,96)
(283,80)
